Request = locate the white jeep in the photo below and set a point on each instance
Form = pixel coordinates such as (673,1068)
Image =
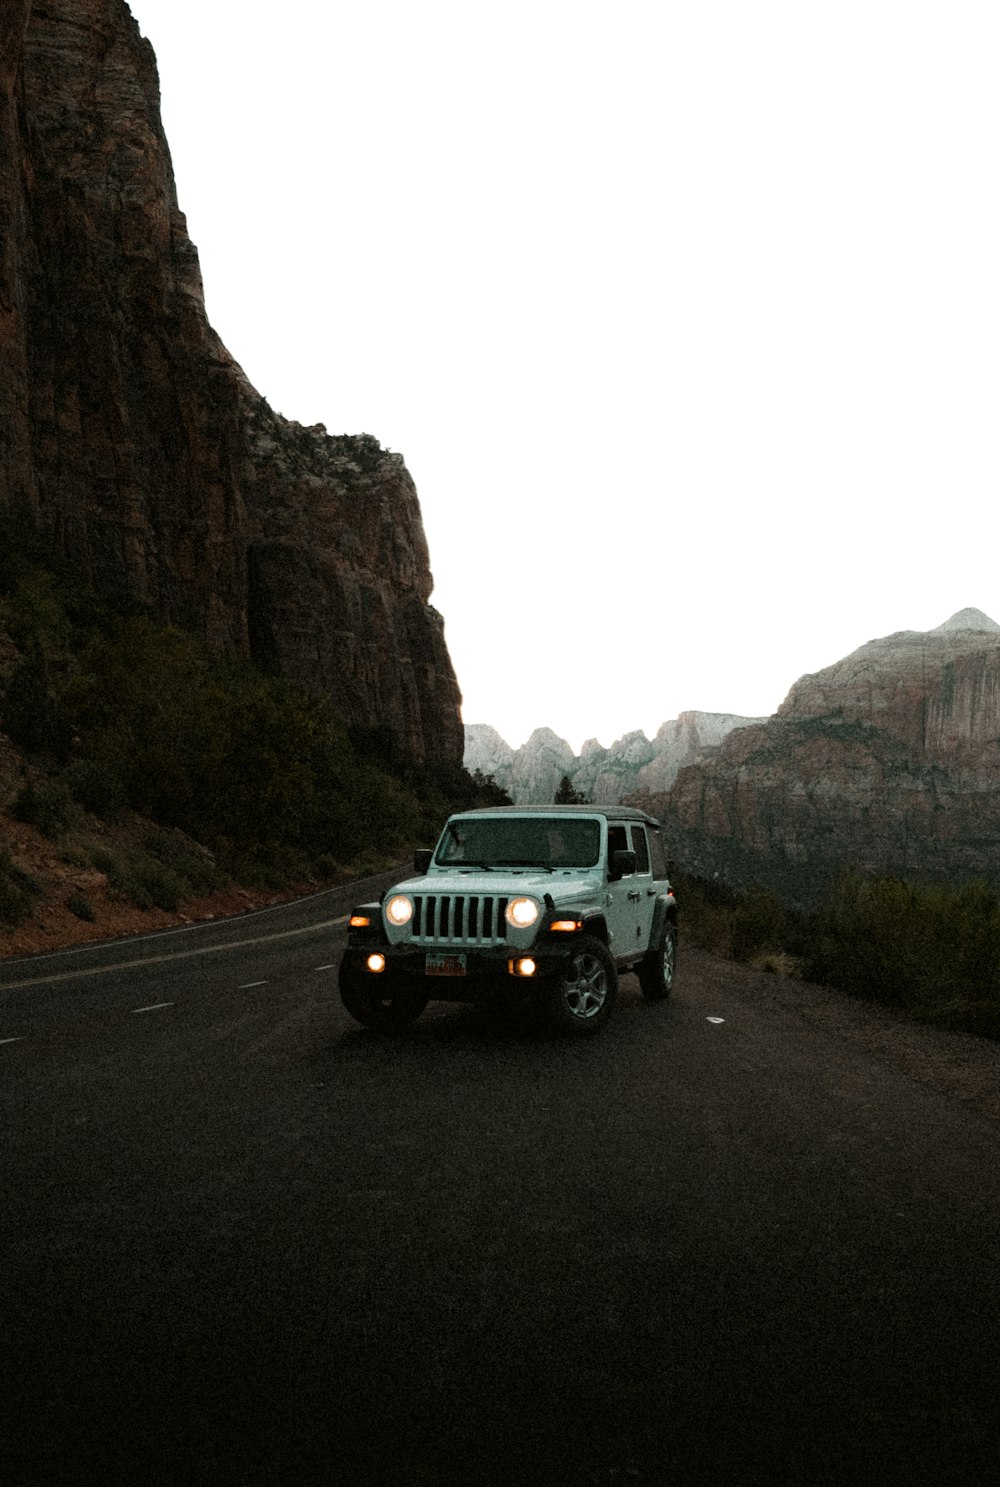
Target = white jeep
(553,901)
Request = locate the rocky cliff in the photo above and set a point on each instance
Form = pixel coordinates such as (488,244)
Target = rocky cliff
(887,761)
(531,774)
(132,441)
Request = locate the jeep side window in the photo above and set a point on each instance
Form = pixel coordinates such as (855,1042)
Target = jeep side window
(659,857)
(640,849)
(617,842)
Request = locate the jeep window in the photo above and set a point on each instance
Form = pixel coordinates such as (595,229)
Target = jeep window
(617,841)
(526,842)
(640,849)
(658,854)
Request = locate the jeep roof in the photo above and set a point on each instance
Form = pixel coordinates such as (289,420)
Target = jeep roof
(611,812)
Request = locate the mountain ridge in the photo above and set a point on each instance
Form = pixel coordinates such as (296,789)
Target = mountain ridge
(886,761)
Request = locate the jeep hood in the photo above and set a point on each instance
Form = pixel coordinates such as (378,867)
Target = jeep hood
(577,886)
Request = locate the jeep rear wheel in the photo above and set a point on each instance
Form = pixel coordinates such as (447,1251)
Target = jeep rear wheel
(656,971)
(372,1001)
(579,1000)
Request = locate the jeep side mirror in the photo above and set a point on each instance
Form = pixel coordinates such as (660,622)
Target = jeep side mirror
(422,859)
(623,865)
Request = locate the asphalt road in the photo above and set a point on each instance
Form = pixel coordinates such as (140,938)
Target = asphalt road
(749,1236)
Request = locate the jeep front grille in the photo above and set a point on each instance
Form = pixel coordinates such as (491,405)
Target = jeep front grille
(458,919)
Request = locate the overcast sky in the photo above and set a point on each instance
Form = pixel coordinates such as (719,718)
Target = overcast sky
(685,317)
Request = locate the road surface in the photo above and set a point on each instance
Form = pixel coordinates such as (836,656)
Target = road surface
(749,1236)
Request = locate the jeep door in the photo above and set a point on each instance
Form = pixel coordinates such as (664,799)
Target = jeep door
(644,882)
(623,902)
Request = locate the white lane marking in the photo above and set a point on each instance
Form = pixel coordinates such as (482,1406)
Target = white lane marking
(11,1040)
(246,985)
(715,1019)
(154,960)
(154,1008)
(326,968)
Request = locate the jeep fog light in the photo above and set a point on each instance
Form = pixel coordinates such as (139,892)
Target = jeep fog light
(399,910)
(522,912)
(375,962)
(523,966)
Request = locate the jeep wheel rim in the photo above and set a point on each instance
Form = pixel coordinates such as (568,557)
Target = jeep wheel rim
(586,986)
(668,961)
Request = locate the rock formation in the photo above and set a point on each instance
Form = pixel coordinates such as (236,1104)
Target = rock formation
(531,774)
(131,440)
(538,767)
(887,761)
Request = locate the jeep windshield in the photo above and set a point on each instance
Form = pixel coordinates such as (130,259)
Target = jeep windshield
(542,842)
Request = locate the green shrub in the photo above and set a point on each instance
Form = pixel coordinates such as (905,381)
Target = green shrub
(759,922)
(141,880)
(48,806)
(141,717)
(98,787)
(193,864)
(18,891)
(931,950)
(81,907)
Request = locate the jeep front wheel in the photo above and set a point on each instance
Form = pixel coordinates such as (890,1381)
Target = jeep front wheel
(372,1001)
(580,998)
(656,971)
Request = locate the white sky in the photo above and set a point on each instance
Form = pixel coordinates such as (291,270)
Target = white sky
(685,317)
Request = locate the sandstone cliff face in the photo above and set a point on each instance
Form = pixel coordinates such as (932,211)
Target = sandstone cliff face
(538,767)
(682,741)
(486,751)
(132,440)
(888,761)
(531,774)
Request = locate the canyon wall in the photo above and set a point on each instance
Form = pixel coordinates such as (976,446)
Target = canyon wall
(133,444)
(886,762)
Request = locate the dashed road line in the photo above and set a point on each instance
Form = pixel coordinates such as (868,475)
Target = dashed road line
(246,985)
(11,1040)
(155,1007)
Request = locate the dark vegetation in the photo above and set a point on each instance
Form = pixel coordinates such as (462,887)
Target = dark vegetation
(933,951)
(244,776)
(567,794)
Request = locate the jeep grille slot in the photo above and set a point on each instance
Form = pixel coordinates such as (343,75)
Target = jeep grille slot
(458,919)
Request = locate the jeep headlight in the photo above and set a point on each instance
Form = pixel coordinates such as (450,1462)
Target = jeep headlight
(399,910)
(522,913)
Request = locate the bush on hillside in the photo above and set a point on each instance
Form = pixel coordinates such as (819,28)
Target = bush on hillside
(127,714)
(18,891)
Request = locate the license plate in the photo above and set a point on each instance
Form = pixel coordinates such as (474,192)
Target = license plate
(438,964)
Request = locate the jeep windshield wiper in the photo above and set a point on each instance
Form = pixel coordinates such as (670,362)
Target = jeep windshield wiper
(524,862)
(471,862)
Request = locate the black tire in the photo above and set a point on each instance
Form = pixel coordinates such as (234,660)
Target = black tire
(579,1000)
(372,1001)
(658,968)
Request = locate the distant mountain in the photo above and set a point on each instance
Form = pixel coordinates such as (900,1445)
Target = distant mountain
(887,761)
(531,774)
